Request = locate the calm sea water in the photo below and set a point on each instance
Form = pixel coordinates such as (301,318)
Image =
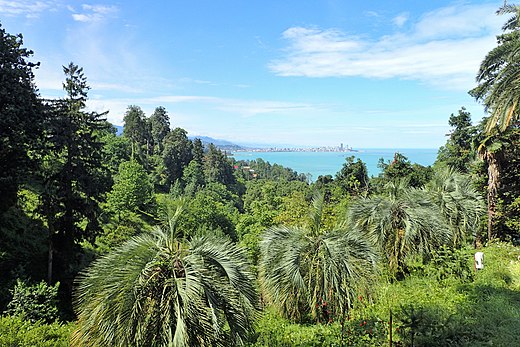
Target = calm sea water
(329,163)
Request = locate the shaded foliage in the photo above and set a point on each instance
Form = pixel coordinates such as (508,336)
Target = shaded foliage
(34,303)
(21,116)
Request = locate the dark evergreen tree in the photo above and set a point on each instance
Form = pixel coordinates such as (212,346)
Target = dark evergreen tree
(217,168)
(193,177)
(177,154)
(160,127)
(74,176)
(136,130)
(198,151)
(21,116)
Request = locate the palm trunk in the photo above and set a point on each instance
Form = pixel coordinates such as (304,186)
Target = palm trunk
(492,190)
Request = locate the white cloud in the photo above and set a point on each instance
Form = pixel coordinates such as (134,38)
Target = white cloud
(443,48)
(401,19)
(78,17)
(29,9)
(320,41)
(92,13)
(101,9)
(243,108)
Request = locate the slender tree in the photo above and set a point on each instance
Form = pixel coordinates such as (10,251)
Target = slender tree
(166,291)
(459,152)
(160,127)
(176,155)
(137,130)
(73,174)
(491,151)
(499,91)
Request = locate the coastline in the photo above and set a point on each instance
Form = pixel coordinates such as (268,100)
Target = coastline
(321,163)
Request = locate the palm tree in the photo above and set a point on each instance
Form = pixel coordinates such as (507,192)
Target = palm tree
(159,290)
(499,75)
(499,90)
(459,202)
(313,271)
(402,222)
(491,151)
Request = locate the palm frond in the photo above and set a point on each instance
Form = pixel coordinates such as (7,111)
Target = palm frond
(159,291)
(315,273)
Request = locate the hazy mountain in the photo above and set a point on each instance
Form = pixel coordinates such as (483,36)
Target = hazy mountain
(221,144)
(206,140)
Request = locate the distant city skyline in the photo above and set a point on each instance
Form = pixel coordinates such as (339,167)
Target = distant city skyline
(378,74)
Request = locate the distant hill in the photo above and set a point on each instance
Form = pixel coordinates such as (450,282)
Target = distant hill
(206,140)
(220,144)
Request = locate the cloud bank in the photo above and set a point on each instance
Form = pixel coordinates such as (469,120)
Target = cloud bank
(29,9)
(442,48)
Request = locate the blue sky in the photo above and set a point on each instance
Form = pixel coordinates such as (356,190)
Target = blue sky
(306,73)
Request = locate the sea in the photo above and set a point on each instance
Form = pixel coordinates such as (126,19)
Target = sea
(315,164)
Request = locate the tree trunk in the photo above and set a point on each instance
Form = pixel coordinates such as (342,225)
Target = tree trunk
(493,185)
(50,256)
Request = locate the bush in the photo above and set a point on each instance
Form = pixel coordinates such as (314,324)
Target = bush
(15,331)
(273,330)
(34,303)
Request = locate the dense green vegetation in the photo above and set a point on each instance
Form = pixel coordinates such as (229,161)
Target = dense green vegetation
(153,239)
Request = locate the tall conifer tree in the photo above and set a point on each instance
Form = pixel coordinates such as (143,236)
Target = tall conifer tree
(73,174)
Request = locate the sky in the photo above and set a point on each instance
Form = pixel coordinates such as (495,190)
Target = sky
(368,74)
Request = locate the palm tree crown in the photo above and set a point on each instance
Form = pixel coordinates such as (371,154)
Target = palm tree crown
(406,221)
(499,75)
(402,222)
(157,290)
(312,271)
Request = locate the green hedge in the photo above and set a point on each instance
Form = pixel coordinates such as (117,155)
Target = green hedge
(17,332)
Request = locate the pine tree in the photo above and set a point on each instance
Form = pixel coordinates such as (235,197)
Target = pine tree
(73,174)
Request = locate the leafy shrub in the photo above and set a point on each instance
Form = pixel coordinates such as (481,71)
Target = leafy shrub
(429,326)
(364,331)
(273,330)
(34,303)
(451,263)
(15,331)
